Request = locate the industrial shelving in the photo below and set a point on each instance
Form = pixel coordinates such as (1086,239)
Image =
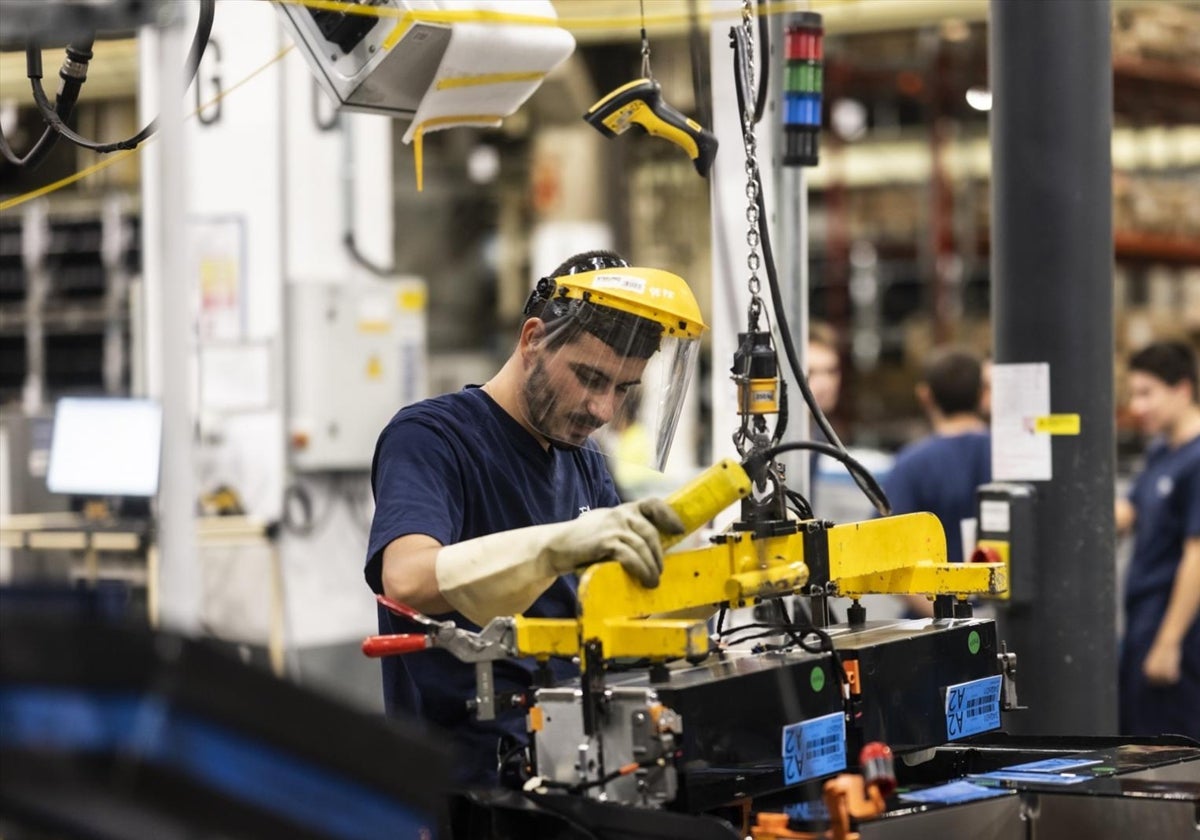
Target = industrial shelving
(65,273)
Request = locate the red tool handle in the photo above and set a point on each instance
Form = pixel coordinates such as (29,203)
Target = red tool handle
(377,646)
(402,609)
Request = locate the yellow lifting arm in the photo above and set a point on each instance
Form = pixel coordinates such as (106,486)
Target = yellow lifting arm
(903,554)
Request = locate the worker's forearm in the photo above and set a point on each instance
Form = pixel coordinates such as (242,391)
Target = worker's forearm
(410,577)
(1125,514)
(1185,597)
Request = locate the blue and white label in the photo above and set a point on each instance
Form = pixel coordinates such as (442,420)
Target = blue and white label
(1033,778)
(813,748)
(960,791)
(972,707)
(1053,765)
(811,810)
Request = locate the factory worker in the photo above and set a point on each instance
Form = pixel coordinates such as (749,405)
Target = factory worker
(1160,653)
(488,499)
(941,472)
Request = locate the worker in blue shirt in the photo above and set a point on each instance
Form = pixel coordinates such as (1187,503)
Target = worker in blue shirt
(488,499)
(940,473)
(1160,653)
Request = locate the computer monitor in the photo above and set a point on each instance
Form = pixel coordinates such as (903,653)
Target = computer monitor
(103,446)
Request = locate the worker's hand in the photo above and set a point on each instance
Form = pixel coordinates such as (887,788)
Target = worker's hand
(628,533)
(505,572)
(1161,666)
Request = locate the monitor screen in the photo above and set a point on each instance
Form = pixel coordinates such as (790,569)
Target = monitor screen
(105,447)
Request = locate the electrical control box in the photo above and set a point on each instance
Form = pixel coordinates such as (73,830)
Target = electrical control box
(356,355)
(1007,532)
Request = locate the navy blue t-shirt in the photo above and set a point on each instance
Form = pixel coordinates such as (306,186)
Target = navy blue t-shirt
(456,467)
(1166,497)
(939,474)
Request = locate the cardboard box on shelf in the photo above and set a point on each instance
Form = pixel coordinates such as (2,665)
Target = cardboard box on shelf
(1157,31)
(919,340)
(1160,205)
(1189,295)
(1162,290)
(1138,326)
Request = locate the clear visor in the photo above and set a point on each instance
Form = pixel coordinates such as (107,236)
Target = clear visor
(623,390)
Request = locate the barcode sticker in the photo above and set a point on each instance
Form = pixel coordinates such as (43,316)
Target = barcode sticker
(972,707)
(813,748)
(619,281)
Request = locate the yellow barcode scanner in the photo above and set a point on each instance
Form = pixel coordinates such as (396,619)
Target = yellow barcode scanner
(641,103)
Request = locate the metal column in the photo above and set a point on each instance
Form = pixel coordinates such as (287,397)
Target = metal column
(1052,299)
(174,597)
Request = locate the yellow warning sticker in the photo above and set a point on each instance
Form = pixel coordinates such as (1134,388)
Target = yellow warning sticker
(374,368)
(1057,424)
(411,299)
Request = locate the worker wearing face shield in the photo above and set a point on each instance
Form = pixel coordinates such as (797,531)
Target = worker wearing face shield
(488,499)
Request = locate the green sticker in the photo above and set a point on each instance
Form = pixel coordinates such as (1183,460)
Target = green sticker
(817,678)
(973,642)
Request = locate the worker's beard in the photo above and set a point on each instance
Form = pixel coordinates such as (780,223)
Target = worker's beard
(547,416)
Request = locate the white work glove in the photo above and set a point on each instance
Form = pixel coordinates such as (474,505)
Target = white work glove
(504,573)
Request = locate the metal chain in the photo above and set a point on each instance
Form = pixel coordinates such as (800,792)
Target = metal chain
(753,261)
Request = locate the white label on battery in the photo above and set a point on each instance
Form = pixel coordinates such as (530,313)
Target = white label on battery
(620,281)
(993,516)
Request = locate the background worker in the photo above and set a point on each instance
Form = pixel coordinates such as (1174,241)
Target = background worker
(940,473)
(488,498)
(824,371)
(1160,653)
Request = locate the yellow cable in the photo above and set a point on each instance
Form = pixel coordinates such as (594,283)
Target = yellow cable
(774,7)
(9,203)
(346,6)
(15,201)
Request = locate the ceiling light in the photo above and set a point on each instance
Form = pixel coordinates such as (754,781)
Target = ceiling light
(979,98)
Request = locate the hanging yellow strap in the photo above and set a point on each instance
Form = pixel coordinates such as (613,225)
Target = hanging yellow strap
(450,119)
(418,159)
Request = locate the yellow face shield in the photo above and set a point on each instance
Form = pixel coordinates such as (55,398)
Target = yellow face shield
(616,349)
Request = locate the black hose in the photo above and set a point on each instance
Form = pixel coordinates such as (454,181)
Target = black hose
(802,507)
(785,334)
(33,62)
(696,44)
(862,476)
(79,53)
(362,259)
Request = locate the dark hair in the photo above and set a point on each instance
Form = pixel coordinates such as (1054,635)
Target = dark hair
(1170,361)
(955,380)
(566,318)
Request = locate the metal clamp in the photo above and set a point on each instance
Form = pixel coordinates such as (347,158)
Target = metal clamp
(497,640)
(1008,674)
